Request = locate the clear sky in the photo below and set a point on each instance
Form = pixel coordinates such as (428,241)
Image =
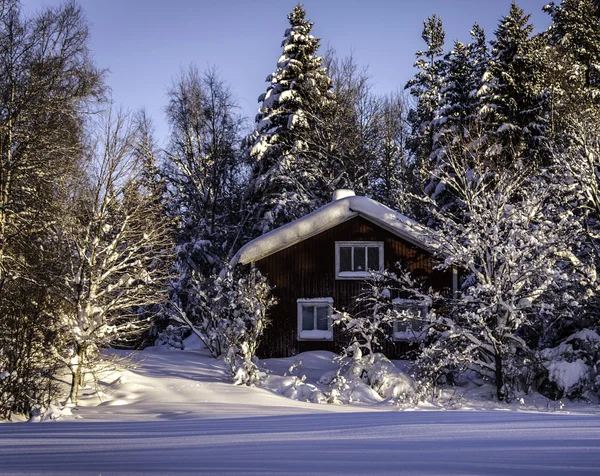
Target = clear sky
(145,43)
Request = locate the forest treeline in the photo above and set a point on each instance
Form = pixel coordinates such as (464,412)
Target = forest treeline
(108,241)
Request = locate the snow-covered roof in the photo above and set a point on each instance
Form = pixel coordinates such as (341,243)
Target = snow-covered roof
(328,216)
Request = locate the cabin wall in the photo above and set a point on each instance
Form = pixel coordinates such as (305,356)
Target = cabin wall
(307,270)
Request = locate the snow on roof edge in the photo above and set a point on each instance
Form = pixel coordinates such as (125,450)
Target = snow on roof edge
(328,216)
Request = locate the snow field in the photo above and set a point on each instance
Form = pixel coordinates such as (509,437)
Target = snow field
(174,412)
(334,443)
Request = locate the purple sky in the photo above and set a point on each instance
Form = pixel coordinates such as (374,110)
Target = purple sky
(144,43)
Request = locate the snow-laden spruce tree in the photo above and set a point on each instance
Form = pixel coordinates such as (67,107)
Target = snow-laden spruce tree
(574,66)
(117,251)
(512,245)
(426,88)
(286,150)
(466,65)
(459,103)
(515,106)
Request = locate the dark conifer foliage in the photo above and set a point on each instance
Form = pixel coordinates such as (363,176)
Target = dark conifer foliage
(515,109)
(286,149)
(522,111)
(466,65)
(498,153)
(426,87)
(574,60)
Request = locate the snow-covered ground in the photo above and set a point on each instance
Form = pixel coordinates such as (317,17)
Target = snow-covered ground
(175,412)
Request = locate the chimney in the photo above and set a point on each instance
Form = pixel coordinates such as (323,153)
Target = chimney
(342,193)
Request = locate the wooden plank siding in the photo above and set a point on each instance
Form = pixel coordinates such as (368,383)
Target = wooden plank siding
(307,270)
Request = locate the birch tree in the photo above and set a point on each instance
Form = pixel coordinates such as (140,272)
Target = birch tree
(119,245)
(47,82)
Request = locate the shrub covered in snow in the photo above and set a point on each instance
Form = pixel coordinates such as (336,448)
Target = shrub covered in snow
(48,412)
(296,389)
(364,379)
(573,366)
(230,317)
(380,308)
(171,337)
(390,304)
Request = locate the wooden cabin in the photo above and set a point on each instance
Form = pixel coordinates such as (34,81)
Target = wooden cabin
(319,263)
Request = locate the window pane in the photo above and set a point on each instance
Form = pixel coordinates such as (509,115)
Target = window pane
(322,320)
(359,258)
(407,323)
(373,257)
(345,258)
(308,318)
(416,313)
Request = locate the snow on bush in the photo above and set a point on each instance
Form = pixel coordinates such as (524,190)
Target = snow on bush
(50,412)
(230,316)
(369,379)
(296,389)
(569,376)
(389,381)
(573,365)
(323,377)
(171,337)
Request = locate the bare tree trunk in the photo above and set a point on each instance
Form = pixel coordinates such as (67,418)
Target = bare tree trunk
(76,374)
(499,374)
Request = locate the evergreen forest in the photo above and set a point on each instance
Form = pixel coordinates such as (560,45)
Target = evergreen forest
(109,241)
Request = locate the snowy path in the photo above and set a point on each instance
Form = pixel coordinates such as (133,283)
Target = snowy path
(351,443)
(175,413)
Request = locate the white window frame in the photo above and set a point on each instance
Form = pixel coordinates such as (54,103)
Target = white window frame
(315,334)
(356,274)
(404,335)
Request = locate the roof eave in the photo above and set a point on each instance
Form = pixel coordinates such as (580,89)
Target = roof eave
(400,234)
(254,257)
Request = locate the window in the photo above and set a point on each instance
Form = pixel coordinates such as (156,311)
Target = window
(412,320)
(355,259)
(314,319)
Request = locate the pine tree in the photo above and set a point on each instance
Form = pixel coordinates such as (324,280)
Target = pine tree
(574,66)
(466,65)
(285,176)
(459,104)
(426,87)
(515,106)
